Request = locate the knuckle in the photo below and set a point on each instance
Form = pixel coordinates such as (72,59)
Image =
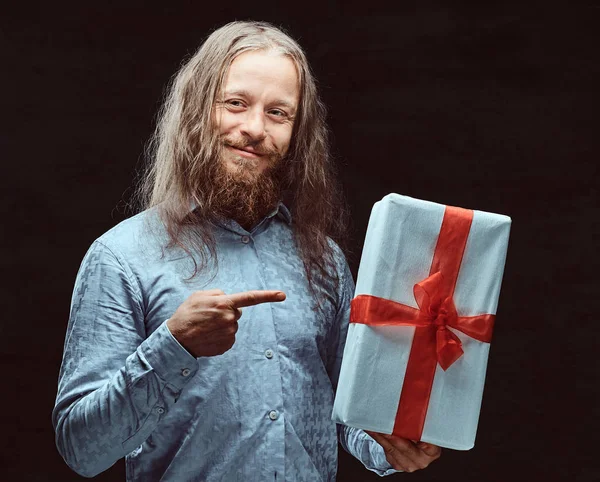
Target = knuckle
(403,444)
(194,301)
(210,292)
(194,296)
(225,306)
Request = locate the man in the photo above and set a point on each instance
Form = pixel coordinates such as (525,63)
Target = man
(161,365)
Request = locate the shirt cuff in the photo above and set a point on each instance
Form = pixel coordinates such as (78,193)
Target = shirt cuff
(170,361)
(381,466)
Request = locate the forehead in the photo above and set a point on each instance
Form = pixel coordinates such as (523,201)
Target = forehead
(263,73)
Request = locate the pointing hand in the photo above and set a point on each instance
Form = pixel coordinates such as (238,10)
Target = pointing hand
(206,323)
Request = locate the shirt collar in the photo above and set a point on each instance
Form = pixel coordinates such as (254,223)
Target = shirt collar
(281,211)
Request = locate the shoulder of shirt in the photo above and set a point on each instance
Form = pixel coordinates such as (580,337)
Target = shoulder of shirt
(139,231)
(339,255)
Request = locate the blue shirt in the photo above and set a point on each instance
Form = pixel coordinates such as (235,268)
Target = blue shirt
(259,412)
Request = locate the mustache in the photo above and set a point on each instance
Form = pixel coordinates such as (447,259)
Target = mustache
(256,147)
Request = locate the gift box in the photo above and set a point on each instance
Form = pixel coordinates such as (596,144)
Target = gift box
(421,321)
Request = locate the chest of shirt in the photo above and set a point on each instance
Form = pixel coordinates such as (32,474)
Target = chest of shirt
(245,262)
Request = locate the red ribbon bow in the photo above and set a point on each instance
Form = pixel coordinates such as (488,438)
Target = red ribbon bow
(439,312)
(435,312)
(433,342)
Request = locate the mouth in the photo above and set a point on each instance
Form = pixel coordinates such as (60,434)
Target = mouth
(246,153)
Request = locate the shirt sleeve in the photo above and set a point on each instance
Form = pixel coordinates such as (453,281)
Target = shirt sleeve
(115,383)
(355,441)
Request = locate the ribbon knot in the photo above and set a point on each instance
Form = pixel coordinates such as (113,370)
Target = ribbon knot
(439,311)
(441,315)
(440,320)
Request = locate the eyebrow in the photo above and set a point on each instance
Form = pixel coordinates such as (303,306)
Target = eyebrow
(245,93)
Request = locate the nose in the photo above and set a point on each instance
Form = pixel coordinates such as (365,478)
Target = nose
(254,125)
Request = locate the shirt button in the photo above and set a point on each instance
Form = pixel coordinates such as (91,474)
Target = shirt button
(245,239)
(160,410)
(269,353)
(273,415)
(185,372)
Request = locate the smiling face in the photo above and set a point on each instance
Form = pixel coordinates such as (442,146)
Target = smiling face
(255,111)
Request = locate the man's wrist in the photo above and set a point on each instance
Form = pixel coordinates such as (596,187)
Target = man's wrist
(168,358)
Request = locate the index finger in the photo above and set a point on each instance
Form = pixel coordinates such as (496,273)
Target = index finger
(255,297)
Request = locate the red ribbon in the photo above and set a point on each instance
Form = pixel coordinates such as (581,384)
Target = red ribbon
(433,342)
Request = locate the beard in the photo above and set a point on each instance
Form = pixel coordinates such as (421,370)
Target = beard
(245,194)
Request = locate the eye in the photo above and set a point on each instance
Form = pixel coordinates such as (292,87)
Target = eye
(235,103)
(278,113)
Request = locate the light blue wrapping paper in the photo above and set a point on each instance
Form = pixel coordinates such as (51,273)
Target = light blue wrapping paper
(398,251)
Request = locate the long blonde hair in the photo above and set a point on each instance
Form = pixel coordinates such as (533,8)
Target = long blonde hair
(183,154)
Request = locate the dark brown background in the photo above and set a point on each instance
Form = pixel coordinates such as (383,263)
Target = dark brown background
(485,105)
